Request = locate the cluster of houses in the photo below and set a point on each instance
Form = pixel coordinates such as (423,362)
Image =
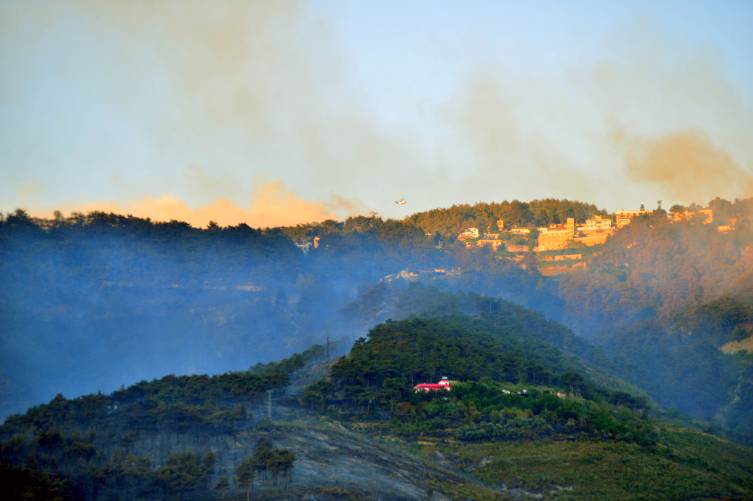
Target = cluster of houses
(594,231)
(707,214)
(568,235)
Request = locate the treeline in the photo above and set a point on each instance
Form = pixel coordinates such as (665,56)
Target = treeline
(175,238)
(360,230)
(450,221)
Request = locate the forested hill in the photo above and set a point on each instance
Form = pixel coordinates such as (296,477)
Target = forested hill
(450,221)
(397,354)
(521,415)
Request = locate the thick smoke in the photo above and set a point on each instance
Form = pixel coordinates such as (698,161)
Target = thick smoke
(688,167)
(271,205)
(237,88)
(249,91)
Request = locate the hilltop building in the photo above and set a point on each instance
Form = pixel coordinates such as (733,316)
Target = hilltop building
(729,227)
(517,248)
(469,234)
(707,214)
(625,217)
(494,243)
(444,384)
(596,224)
(556,236)
(595,231)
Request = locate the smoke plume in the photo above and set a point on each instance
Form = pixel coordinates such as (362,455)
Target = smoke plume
(272,204)
(128,97)
(688,167)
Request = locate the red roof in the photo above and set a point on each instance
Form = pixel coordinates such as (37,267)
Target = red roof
(443,384)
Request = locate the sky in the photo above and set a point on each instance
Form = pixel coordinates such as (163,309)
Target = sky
(276,113)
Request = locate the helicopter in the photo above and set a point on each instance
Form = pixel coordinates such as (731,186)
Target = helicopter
(401,202)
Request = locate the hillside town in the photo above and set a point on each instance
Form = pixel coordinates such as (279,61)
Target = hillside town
(552,249)
(562,248)
(592,232)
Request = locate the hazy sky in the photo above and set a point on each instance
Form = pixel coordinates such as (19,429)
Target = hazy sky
(282,112)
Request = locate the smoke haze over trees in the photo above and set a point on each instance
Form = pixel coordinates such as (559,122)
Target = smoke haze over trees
(92,302)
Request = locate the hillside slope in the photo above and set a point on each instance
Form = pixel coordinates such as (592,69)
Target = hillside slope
(183,438)
(531,428)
